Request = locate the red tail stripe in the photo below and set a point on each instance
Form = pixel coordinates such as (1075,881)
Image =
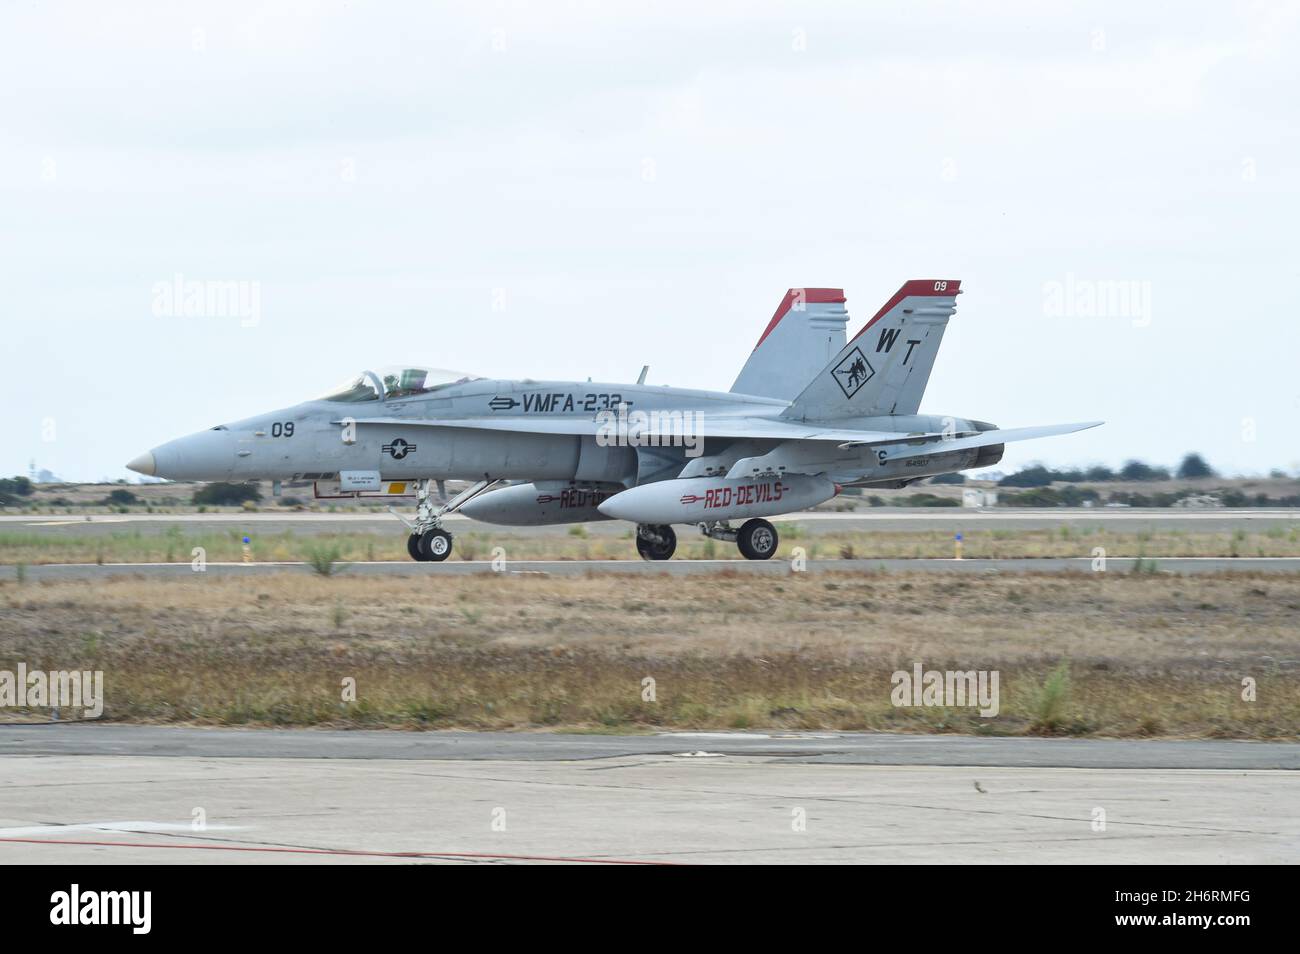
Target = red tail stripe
(917,287)
(811,296)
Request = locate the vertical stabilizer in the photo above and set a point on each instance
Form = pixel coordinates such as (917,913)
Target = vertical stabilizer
(807,329)
(885,367)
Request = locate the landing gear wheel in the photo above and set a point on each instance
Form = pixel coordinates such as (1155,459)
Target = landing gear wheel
(413,547)
(757,540)
(435,545)
(659,546)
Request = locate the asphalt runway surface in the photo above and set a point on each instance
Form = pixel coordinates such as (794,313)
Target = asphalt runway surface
(453,567)
(814,523)
(847,748)
(810,524)
(88,793)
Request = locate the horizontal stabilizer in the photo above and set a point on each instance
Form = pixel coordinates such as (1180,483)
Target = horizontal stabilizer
(983,439)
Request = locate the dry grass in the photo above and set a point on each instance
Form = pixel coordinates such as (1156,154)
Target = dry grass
(1110,654)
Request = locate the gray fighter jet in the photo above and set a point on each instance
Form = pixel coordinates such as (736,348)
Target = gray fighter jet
(811,412)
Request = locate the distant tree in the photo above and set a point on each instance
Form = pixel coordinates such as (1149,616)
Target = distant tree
(121,497)
(1077,496)
(1035,476)
(1034,497)
(1099,473)
(1051,497)
(928,500)
(17,486)
(12,488)
(220,494)
(1194,466)
(949,479)
(1136,470)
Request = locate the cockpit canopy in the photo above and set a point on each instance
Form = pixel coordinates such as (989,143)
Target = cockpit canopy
(392,382)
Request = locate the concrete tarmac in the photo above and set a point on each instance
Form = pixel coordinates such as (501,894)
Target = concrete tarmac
(184,571)
(85,793)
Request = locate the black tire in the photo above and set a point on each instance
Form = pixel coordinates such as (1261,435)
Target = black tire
(757,540)
(662,549)
(435,545)
(413,547)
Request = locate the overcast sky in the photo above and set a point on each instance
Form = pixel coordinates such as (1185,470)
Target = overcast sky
(577,189)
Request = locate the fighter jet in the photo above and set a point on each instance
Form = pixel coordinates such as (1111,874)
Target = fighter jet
(812,412)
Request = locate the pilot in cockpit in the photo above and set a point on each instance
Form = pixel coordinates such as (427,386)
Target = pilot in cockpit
(395,383)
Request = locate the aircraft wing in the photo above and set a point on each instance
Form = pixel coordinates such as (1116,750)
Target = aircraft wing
(718,426)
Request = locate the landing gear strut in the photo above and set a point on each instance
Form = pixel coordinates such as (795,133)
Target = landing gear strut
(719,530)
(757,539)
(655,541)
(428,540)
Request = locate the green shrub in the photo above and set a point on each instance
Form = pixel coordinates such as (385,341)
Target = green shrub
(1052,700)
(323,558)
(224,494)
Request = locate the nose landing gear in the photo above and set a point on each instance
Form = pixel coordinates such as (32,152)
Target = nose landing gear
(429,541)
(433,545)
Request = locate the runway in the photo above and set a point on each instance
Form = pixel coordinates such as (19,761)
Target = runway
(1178,565)
(82,793)
(845,748)
(815,523)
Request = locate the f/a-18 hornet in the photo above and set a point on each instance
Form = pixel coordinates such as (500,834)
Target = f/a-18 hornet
(812,412)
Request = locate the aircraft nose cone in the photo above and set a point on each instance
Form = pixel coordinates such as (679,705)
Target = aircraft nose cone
(207,455)
(144,464)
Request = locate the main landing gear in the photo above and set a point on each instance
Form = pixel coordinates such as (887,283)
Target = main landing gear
(655,541)
(428,541)
(756,539)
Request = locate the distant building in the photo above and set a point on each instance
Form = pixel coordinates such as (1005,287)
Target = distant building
(974,497)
